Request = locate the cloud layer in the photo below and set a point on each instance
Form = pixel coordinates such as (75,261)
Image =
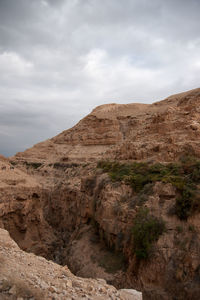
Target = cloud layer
(59,59)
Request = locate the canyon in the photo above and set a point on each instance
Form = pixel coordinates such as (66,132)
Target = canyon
(75,203)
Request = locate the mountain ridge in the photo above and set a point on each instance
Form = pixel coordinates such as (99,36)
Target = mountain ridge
(127,131)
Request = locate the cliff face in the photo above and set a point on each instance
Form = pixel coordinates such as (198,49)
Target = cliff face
(57,203)
(161,131)
(94,223)
(172,269)
(21,198)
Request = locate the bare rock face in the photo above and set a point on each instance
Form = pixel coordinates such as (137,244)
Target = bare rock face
(173,269)
(21,213)
(162,131)
(56,203)
(26,276)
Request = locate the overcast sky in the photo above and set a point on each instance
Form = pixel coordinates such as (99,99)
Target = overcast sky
(61,58)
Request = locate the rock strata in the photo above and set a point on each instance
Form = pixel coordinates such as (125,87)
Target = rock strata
(56,203)
(162,131)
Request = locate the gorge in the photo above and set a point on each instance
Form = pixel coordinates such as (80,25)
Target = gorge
(116,197)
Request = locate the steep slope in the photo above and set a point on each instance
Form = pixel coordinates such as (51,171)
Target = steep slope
(162,131)
(26,276)
(21,212)
(84,215)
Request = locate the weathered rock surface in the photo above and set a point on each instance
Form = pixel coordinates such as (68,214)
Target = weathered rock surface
(21,213)
(173,269)
(161,131)
(26,276)
(55,202)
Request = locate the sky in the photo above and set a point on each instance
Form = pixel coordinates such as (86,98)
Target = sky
(59,59)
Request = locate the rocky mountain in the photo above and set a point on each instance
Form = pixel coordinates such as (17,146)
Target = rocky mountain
(160,131)
(115,197)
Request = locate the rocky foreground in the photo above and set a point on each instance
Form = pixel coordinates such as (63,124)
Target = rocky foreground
(26,276)
(116,197)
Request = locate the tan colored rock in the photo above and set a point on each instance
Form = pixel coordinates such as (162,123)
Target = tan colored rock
(129,294)
(11,176)
(21,211)
(56,204)
(161,131)
(23,282)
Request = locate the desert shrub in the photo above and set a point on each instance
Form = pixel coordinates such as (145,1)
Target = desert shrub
(112,262)
(188,202)
(195,172)
(184,176)
(187,159)
(138,174)
(34,165)
(61,165)
(179,229)
(184,203)
(191,228)
(146,230)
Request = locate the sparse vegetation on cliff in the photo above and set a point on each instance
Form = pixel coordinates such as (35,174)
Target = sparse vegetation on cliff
(146,230)
(184,175)
(111,261)
(34,165)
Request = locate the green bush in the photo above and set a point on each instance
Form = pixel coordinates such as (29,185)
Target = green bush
(138,174)
(146,230)
(111,262)
(184,176)
(184,203)
(179,229)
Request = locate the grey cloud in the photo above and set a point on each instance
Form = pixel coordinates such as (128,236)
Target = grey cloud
(60,59)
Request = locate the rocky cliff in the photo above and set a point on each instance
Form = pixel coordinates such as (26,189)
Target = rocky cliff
(161,131)
(115,197)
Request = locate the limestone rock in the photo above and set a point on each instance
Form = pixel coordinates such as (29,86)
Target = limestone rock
(55,203)
(44,279)
(129,294)
(161,131)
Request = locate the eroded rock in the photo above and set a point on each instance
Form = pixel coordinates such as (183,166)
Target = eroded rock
(26,276)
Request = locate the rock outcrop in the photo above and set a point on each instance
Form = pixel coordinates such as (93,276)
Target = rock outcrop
(21,213)
(56,203)
(26,276)
(162,131)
